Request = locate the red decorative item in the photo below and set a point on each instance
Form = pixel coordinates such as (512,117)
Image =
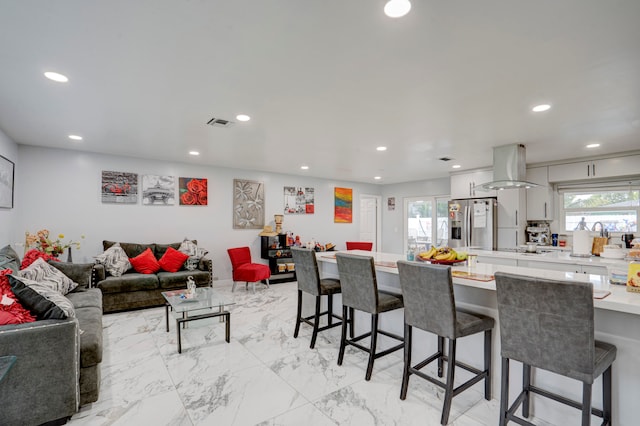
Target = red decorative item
(13,313)
(145,263)
(172,260)
(32,255)
(193,192)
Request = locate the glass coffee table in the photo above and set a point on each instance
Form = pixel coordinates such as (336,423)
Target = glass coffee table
(205,299)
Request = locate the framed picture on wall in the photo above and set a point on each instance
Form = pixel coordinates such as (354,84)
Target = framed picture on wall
(248,204)
(119,187)
(7,168)
(158,190)
(298,200)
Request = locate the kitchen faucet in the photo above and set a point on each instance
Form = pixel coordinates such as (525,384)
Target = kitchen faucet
(603,232)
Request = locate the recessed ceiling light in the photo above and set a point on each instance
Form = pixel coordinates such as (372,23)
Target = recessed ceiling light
(243,117)
(194,153)
(56,77)
(304,167)
(541,108)
(381,148)
(593,145)
(456,166)
(377,177)
(397,8)
(75,137)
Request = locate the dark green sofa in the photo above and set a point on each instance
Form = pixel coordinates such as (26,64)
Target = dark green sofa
(133,290)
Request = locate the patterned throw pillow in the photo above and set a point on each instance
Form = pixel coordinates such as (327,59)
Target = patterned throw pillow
(195,254)
(42,301)
(115,260)
(46,274)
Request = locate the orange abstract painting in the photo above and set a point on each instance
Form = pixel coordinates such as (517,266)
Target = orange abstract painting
(343,212)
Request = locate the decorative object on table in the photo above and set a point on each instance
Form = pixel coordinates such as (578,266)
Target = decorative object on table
(248,204)
(298,200)
(7,170)
(158,190)
(633,277)
(343,205)
(329,247)
(391,203)
(191,288)
(119,187)
(554,240)
(193,191)
(442,255)
(278,218)
(41,242)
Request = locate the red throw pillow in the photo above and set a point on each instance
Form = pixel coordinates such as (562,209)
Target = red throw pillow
(13,312)
(172,260)
(145,262)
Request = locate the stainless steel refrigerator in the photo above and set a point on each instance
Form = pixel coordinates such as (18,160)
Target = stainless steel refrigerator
(474,223)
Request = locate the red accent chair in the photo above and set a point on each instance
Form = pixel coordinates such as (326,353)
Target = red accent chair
(359,245)
(244,270)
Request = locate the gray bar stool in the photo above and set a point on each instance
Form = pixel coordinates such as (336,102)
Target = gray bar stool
(360,291)
(548,324)
(310,282)
(430,306)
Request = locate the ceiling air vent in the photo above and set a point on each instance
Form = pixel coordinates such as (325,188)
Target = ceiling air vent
(445,159)
(219,122)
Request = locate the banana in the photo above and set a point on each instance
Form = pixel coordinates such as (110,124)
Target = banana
(442,256)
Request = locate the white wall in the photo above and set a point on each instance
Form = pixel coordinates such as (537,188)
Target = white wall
(60,190)
(8,149)
(392,221)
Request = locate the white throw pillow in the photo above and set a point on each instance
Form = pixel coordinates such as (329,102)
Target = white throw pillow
(46,274)
(188,247)
(115,260)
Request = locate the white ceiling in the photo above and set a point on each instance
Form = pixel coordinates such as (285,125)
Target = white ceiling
(325,81)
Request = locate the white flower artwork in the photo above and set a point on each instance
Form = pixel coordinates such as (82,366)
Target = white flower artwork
(248,204)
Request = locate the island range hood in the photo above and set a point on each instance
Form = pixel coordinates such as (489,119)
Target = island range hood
(509,169)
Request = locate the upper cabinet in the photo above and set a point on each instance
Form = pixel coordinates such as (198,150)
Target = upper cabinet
(464,185)
(604,168)
(540,198)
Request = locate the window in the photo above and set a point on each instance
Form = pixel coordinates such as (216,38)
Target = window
(616,208)
(426,222)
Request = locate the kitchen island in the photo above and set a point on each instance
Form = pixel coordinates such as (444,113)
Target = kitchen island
(617,321)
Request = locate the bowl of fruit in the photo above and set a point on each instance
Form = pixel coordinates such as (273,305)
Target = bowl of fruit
(442,255)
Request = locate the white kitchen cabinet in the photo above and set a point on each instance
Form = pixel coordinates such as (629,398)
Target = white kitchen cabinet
(551,266)
(603,168)
(512,204)
(539,199)
(595,270)
(510,238)
(464,185)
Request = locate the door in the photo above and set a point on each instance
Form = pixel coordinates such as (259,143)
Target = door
(369,219)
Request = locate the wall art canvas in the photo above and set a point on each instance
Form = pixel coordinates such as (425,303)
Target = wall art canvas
(119,187)
(343,210)
(158,190)
(193,191)
(248,204)
(391,203)
(298,200)
(7,169)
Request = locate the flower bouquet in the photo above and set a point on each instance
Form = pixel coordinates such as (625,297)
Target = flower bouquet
(40,241)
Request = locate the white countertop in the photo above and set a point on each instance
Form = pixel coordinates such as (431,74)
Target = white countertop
(619,300)
(551,256)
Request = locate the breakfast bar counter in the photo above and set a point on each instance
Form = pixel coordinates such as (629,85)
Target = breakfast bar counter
(617,321)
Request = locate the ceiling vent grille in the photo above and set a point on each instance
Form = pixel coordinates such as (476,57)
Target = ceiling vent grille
(445,159)
(219,122)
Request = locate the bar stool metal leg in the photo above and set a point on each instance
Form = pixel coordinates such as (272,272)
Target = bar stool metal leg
(487,365)
(408,330)
(298,318)
(441,357)
(606,397)
(343,338)
(448,393)
(330,309)
(526,383)
(316,323)
(374,342)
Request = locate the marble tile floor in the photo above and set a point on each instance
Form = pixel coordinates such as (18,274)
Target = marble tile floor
(262,377)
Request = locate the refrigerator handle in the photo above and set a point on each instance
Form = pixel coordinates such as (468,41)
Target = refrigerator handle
(468,219)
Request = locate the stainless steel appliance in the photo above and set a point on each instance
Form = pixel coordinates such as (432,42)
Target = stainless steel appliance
(538,233)
(474,223)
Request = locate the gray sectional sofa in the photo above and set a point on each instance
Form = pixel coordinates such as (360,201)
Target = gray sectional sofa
(133,290)
(57,368)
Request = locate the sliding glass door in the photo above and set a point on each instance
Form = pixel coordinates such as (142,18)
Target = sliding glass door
(426,222)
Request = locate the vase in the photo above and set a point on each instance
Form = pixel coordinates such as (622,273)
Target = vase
(69,259)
